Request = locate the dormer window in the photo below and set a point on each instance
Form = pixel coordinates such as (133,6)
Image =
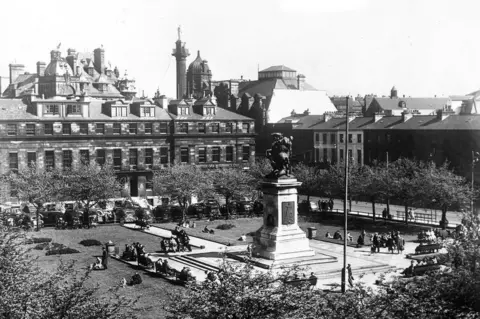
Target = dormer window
(147,111)
(209,111)
(50,109)
(119,111)
(183,111)
(73,109)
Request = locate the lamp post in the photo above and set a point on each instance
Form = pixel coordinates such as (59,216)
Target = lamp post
(345,212)
(475,159)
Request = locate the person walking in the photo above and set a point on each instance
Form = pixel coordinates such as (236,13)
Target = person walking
(411,214)
(350,275)
(104,258)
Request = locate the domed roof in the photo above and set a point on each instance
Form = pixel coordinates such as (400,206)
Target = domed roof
(199,66)
(58,67)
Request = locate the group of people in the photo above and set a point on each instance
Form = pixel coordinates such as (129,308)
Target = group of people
(133,251)
(325,205)
(338,235)
(101,263)
(392,241)
(429,236)
(410,271)
(180,241)
(163,267)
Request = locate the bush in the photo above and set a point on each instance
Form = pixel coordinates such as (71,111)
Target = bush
(59,249)
(225,226)
(90,242)
(38,240)
(41,246)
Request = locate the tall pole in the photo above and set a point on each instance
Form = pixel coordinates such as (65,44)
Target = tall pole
(473,180)
(345,212)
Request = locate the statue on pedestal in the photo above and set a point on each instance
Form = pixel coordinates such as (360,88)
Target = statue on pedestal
(279,156)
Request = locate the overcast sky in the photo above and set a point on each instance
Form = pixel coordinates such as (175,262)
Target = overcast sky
(424,48)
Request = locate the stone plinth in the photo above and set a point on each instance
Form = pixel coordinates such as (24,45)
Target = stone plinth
(280,237)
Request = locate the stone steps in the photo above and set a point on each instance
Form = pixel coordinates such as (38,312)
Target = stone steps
(192,262)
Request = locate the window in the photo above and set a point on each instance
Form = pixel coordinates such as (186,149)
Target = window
(12,129)
(163,155)
(67,128)
(229,127)
(147,112)
(334,156)
(332,138)
(388,137)
(149,156)
(341,155)
(229,154)
(379,139)
(48,128)
(341,138)
(246,127)
(101,157)
(350,155)
(324,137)
(209,111)
(117,159)
(30,128)
(149,182)
(201,127)
(202,155)
(84,157)
(67,159)
(32,158)
(359,138)
(215,154)
(74,109)
(51,109)
(13,161)
(100,128)
(359,157)
(246,153)
(163,128)
(117,128)
(325,155)
(350,138)
(184,155)
(132,128)
(317,155)
(119,111)
(133,158)
(83,128)
(183,111)
(215,128)
(148,128)
(183,127)
(317,137)
(49,159)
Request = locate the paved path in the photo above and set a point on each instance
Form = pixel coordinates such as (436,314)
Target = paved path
(364,208)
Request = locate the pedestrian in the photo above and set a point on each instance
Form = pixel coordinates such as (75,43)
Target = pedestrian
(350,275)
(384,215)
(104,258)
(411,214)
(330,204)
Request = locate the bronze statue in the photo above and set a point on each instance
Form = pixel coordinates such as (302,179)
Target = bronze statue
(279,156)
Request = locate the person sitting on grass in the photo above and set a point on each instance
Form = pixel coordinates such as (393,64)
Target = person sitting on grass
(328,235)
(208,231)
(136,279)
(337,235)
(98,265)
(166,269)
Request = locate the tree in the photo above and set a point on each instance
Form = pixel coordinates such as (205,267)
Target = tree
(36,186)
(232,183)
(259,169)
(309,177)
(90,184)
(444,189)
(29,292)
(182,182)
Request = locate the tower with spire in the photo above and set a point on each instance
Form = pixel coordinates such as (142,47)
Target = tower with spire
(181,53)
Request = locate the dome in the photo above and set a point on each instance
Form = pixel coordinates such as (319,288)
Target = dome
(199,66)
(58,67)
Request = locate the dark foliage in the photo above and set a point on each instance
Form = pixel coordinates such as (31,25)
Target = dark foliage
(90,242)
(225,226)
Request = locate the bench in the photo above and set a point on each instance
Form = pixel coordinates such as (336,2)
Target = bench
(340,242)
(428,248)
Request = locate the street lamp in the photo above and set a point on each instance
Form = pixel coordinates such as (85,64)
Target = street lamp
(475,159)
(345,212)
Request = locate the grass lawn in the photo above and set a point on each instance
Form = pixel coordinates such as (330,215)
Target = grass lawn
(329,223)
(153,292)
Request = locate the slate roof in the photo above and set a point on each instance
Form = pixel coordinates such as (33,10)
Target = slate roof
(338,123)
(278,68)
(300,121)
(220,113)
(418,103)
(265,87)
(427,122)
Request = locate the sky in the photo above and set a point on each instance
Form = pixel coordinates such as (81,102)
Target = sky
(424,48)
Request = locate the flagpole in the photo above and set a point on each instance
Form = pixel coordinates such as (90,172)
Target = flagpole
(345,212)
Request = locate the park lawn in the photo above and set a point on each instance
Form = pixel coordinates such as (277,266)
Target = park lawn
(153,293)
(329,223)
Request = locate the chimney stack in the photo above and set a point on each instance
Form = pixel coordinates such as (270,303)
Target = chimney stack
(15,71)
(406,115)
(41,68)
(442,114)
(72,59)
(99,60)
(301,82)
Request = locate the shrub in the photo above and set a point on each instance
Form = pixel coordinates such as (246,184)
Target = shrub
(225,226)
(39,240)
(90,242)
(41,246)
(60,249)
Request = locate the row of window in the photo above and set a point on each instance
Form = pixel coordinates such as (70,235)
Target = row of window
(333,138)
(30,129)
(334,155)
(120,111)
(100,157)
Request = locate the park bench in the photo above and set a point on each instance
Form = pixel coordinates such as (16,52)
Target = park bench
(428,248)
(421,270)
(340,242)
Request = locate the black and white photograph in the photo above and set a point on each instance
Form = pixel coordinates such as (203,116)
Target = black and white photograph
(276,159)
